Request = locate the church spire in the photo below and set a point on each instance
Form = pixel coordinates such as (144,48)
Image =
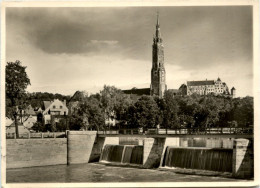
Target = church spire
(158,81)
(158,25)
(158,32)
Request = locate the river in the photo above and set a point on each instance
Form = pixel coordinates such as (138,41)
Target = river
(96,172)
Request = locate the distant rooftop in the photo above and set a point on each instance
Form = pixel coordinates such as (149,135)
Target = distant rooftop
(200,83)
(174,90)
(135,91)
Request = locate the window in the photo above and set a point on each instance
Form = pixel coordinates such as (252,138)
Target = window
(54,106)
(60,107)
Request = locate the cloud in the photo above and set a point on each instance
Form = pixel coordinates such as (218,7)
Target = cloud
(68,49)
(108,42)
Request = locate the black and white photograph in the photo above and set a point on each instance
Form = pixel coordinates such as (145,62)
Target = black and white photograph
(141,94)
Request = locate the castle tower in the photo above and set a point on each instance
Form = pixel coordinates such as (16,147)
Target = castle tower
(233,92)
(158,83)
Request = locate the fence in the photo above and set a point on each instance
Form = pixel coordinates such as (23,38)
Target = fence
(37,135)
(192,131)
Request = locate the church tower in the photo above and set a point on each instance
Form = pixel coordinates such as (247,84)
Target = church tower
(158,83)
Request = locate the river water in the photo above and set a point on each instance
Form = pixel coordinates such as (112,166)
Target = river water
(96,172)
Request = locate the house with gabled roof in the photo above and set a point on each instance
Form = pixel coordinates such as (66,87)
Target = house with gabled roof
(55,107)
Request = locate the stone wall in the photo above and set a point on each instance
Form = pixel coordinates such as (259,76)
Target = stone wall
(131,140)
(209,142)
(80,145)
(111,140)
(149,152)
(243,159)
(154,149)
(35,152)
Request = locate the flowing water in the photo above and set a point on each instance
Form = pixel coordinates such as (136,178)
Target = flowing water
(123,154)
(95,172)
(199,158)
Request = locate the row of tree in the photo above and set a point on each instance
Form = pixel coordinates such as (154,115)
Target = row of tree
(194,111)
(129,111)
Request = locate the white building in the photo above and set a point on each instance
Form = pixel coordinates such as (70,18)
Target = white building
(207,86)
(55,107)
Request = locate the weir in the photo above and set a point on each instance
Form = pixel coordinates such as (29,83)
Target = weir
(213,159)
(224,154)
(125,154)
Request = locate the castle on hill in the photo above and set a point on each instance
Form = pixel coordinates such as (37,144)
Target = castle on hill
(158,77)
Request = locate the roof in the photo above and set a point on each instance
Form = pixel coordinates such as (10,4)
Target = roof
(29,110)
(8,121)
(46,104)
(174,90)
(38,109)
(183,86)
(200,83)
(218,79)
(142,91)
(78,96)
(233,88)
(29,122)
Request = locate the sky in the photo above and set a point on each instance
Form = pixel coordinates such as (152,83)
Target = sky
(70,49)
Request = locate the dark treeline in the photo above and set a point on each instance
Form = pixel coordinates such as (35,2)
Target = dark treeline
(36,98)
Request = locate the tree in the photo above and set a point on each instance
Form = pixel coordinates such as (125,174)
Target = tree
(15,84)
(37,126)
(88,115)
(121,108)
(170,111)
(94,114)
(109,96)
(188,107)
(53,127)
(144,113)
(244,111)
(115,103)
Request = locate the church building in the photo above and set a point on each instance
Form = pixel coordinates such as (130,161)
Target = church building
(158,80)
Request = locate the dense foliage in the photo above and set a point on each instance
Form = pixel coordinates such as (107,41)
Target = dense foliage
(172,111)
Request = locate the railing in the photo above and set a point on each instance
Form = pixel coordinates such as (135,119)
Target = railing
(181,131)
(40,135)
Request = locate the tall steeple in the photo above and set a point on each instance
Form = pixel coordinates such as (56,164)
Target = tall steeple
(158,33)
(158,83)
